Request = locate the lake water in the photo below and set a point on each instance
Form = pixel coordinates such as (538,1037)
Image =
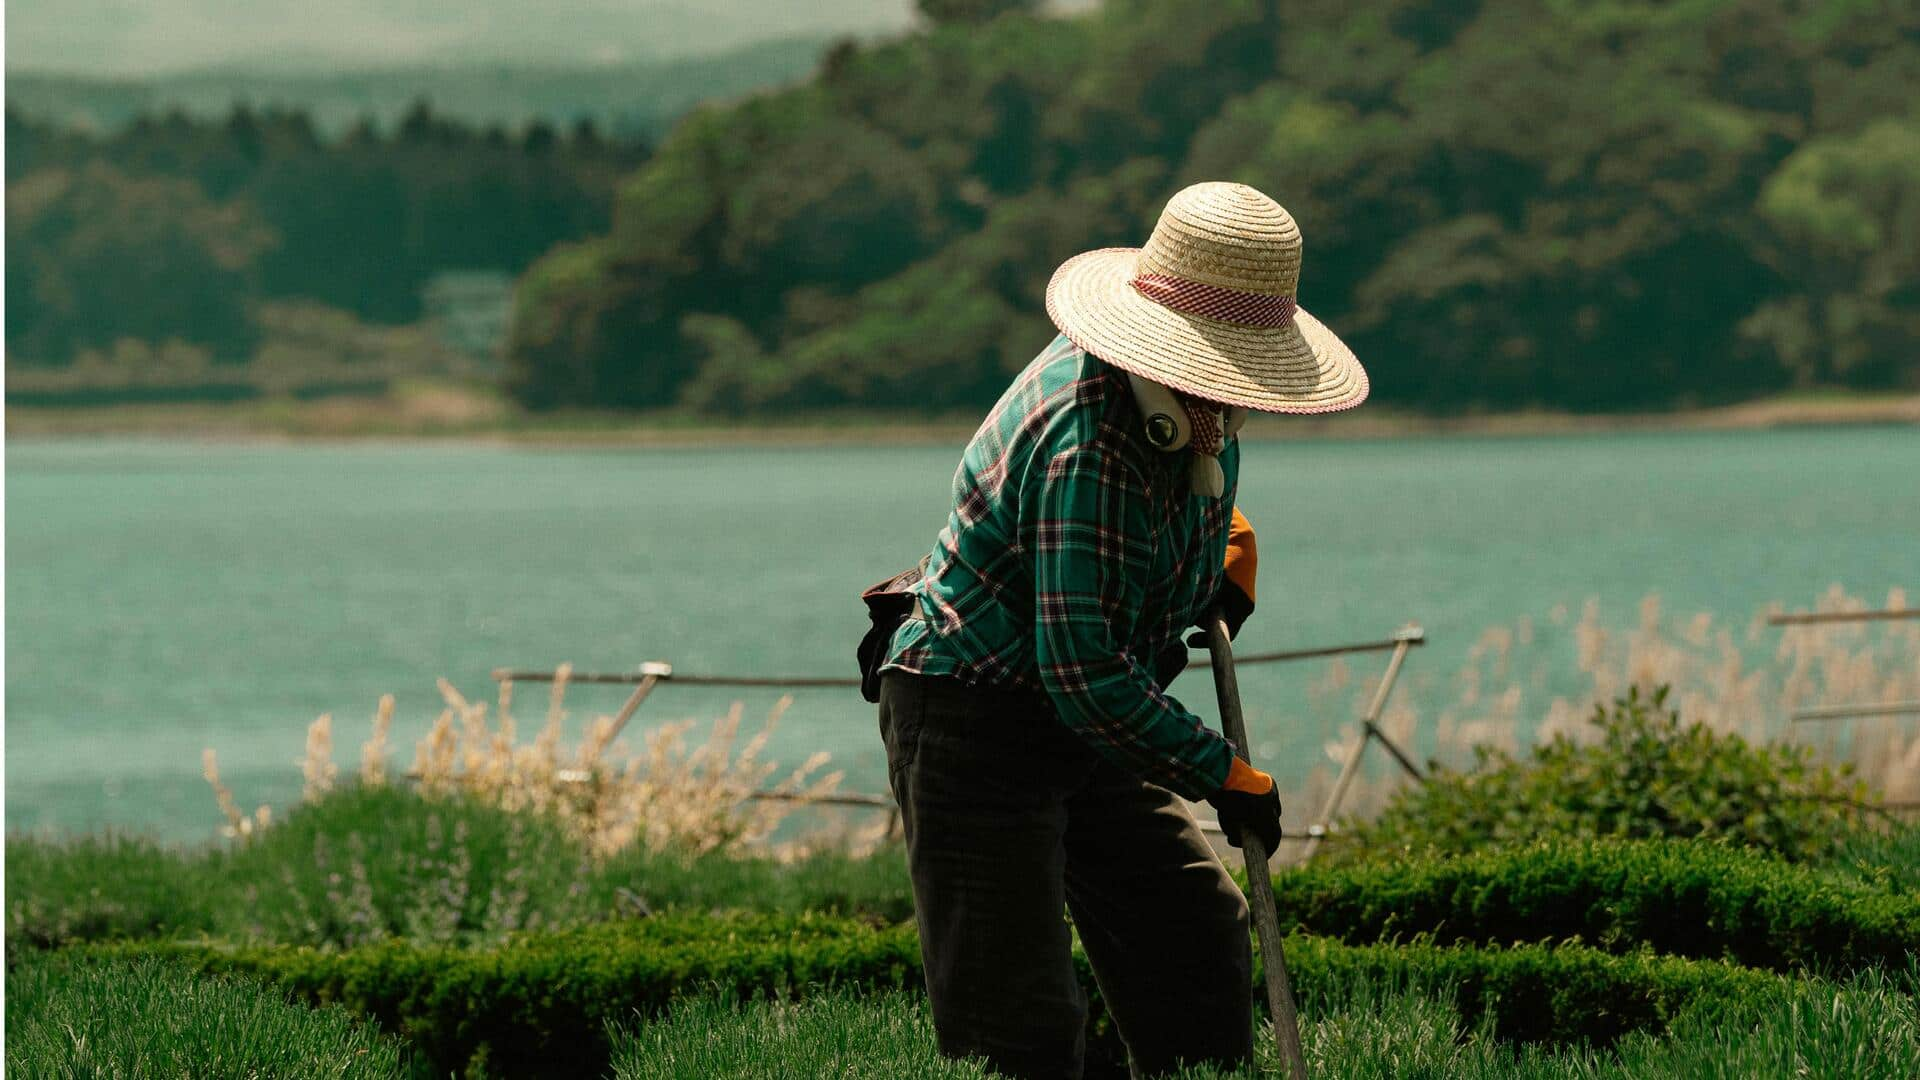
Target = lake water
(165,597)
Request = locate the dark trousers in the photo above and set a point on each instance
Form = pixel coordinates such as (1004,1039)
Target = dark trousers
(1010,820)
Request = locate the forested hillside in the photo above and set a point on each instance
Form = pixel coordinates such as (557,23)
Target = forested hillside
(177,230)
(630,100)
(1505,203)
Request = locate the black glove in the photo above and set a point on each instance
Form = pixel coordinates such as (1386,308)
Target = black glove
(1239,810)
(1234,607)
(1170,663)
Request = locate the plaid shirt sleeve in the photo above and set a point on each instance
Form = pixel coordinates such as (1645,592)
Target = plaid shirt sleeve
(1091,558)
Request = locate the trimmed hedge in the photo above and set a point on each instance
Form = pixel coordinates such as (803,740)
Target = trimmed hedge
(540,1005)
(1686,898)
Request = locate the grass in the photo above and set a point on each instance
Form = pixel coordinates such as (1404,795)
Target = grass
(879,1038)
(74,1018)
(1889,857)
(1865,1029)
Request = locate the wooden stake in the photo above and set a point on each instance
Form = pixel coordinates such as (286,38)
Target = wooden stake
(1369,729)
(647,683)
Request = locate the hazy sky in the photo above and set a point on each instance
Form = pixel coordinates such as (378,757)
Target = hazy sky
(133,37)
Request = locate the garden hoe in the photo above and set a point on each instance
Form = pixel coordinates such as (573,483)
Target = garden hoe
(1266,916)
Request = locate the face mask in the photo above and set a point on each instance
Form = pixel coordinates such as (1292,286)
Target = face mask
(1174,422)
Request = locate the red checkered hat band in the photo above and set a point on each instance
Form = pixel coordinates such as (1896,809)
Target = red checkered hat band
(1215,302)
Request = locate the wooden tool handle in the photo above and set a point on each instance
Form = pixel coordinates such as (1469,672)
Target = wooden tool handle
(1266,914)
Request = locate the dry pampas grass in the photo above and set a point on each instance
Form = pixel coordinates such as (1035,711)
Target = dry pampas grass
(679,790)
(673,791)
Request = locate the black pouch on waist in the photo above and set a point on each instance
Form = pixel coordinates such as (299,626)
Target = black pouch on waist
(888,605)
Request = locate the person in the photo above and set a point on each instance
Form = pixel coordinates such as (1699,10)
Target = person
(1021,671)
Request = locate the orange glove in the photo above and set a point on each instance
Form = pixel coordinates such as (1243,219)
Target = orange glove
(1243,560)
(1245,778)
(1243,555)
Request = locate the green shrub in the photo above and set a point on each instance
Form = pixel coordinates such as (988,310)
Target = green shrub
(69,1016)
(1648,775)
(539,1005)
(368,863)
(1682,897)
(874,886)
(359,865)
(94,888)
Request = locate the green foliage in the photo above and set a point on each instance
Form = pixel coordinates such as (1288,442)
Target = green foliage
(637,99)
(98,888)
(971,11)
(880,1037)
(1504,203)
(1865,1028)
(1683,898)
(539,1005)
(95,254)
(174,228)
(1557,942)
(1692,898)
(1649,775)
(1888,857)
(1533,993)
(871,887)
(1845,214)
(372,862)
(368,863)
(76,1017)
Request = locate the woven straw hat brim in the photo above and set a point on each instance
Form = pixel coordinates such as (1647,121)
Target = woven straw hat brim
(1297,368)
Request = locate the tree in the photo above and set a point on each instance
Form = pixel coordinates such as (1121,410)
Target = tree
(94,256)
(1844,214)
(971,11)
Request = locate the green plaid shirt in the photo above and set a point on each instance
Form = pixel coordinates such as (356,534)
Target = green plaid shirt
(1074,555)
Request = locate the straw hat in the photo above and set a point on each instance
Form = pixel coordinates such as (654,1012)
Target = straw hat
(1207,307)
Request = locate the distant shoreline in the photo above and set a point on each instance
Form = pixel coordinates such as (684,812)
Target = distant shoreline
(453,415)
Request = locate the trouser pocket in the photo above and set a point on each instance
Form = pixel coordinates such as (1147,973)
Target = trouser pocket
(902,701)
